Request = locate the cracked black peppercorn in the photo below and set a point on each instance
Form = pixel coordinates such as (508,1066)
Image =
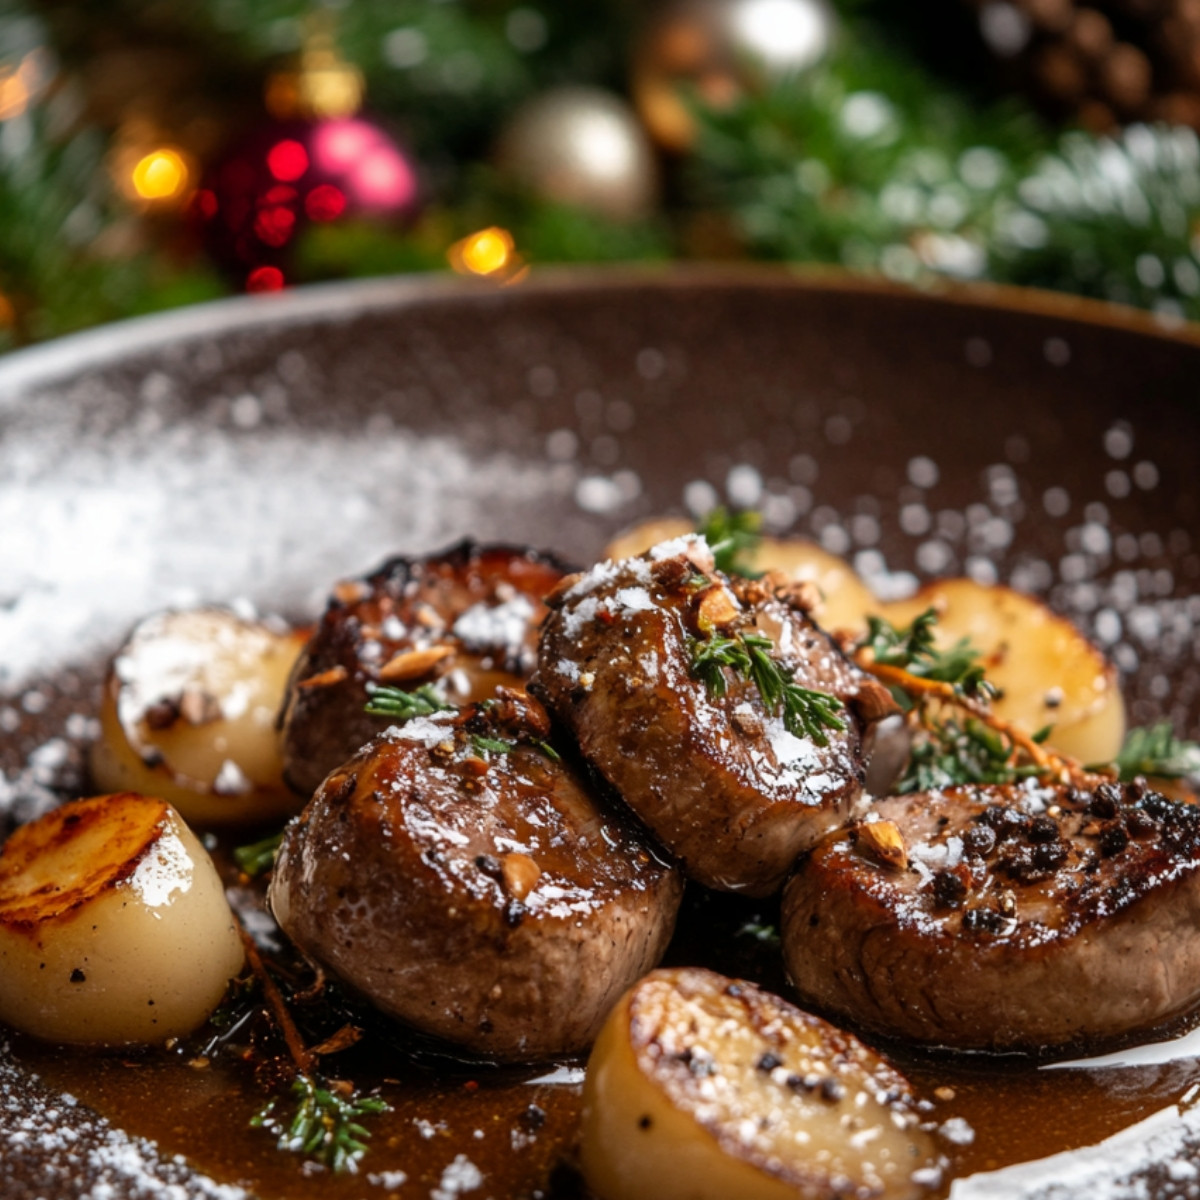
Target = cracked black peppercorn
(949,888)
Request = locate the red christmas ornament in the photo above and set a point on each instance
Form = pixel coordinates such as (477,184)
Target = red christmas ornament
(319,161)
(252,207)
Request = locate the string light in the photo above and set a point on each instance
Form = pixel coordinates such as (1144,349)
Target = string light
(161,175)
(488,252)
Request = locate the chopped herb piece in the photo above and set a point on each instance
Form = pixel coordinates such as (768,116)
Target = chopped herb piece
(912,649)
(495,745)
(258,857)
(547,749)
(767,934)
(396,702)
(1155,750)
(805,713)
(324,1127)
(733,538)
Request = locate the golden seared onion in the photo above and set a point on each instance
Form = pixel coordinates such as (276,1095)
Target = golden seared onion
(189,714)
(114,927)
(705,1087)
(845,598)
(1049,673)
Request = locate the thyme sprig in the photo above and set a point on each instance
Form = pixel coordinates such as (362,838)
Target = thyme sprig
(912,649)
(952,751)
(733,537)
(395,702)
(325,1126)
(956,737)
(806,713)
(1154,750)
(257,857)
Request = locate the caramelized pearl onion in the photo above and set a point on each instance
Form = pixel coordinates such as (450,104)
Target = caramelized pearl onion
(114,927)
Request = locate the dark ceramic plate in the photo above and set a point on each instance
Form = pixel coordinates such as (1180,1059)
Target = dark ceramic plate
(260,448)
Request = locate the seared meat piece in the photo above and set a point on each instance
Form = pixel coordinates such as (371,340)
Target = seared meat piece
(709,766)
(463,878)
(1002,918)
(466,619)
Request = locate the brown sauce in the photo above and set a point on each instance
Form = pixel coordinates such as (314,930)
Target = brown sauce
(518,1129)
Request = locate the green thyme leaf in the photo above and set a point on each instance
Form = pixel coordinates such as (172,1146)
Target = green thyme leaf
(947,753)
(396,702)
(733,538)
(495,745)
(912,649)
(806,713)
(324,1127)
(258,857)
(1155,750)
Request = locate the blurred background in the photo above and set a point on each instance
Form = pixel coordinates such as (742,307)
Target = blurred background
(155,153)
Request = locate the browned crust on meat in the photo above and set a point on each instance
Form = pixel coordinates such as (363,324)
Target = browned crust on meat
(715,778)
(1070,918)
(406,606)
(481,896)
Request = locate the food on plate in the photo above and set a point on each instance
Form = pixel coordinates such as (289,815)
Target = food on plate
(1047,673)
(114,928)
(463,877)
(729,723)
(450,628)
(844,599)
(1021,917)
(702,1087)
(189,714)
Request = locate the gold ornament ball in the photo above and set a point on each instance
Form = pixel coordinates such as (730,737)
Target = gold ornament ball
(585,147)
(717,50)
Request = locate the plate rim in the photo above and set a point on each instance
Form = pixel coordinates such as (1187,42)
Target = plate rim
(47,362)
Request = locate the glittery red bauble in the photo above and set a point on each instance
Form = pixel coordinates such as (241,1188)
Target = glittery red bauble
(252,206)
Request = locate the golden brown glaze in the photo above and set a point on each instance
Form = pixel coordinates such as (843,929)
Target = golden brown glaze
(467,617)
(717,779)
(1022,917)
(467,882)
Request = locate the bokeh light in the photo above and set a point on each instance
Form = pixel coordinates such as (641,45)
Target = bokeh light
(163,174)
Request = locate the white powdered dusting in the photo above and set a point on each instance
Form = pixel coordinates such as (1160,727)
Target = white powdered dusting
(1106,1171)
(462,1175)
(790,751)
(495,626)
(633,600)
(429,731)
(167,868)
(115,530)
(79,1154)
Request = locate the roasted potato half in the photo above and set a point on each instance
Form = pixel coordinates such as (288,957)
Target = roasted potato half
(1048,672)
(705,1087)
(189,712)
(114,927)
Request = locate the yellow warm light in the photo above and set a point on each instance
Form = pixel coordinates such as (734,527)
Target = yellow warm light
(14,94)
(160,175)
(484,253)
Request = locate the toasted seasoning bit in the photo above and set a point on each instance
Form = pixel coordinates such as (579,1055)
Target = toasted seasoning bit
(885,843)
(1007,903)
(345,1037)
(412,664)
(803,596)
(945,1094)
(586,680)
(198,707)
(349,591)
(716,609)
(325,678)
(520,874)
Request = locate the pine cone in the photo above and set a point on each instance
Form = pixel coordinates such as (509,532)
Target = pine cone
(1103,63)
